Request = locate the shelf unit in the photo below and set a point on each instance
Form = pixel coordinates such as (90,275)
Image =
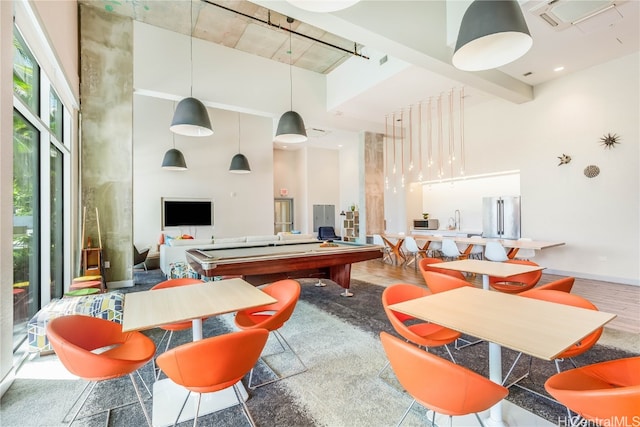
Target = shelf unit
(351,226)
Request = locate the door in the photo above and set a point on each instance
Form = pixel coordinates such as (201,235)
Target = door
(283,215)
(511,218)
(324,216)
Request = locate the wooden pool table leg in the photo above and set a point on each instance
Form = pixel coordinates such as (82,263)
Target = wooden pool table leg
(341,274)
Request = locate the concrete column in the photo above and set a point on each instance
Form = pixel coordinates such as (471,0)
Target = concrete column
(374,183)
(106,154)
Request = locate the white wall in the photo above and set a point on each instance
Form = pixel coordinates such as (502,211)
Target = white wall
(441,199)
(240,200)
(597,218)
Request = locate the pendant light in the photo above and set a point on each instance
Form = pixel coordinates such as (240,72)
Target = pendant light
(291,126)
(322,5)
(492,33)
(191,117)
(174,159)
(239,163)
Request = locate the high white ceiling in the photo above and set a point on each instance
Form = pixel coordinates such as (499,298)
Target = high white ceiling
(419,32)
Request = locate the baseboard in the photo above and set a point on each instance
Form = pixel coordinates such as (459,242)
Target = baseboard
(621,280)
(120,284)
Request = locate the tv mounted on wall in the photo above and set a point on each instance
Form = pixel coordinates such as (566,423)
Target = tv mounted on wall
(186,212)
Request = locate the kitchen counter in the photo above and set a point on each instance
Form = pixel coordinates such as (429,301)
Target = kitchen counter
(446,232)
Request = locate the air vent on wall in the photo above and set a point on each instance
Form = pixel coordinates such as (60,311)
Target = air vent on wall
(562,14)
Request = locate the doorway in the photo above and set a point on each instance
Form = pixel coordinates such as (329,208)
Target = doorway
(283,215)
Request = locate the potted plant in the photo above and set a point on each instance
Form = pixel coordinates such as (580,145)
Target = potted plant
(425,215)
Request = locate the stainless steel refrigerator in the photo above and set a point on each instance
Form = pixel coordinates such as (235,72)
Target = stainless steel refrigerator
(501,217)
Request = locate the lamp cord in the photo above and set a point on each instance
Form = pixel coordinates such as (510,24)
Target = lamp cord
(290,71)
(191,46)
(238,132)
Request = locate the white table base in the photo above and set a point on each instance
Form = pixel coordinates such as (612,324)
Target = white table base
(495,373)
(169,396)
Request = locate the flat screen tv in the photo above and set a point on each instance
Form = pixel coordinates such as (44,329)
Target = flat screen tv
(186,212)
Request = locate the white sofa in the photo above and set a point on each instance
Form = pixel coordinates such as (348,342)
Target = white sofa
(173,251)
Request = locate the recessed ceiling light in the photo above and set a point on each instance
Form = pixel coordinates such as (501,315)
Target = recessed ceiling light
(557,69)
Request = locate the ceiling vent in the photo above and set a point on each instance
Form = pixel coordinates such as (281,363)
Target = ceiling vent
(586,15)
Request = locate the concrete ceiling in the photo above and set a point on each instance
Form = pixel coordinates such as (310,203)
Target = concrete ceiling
(414,31)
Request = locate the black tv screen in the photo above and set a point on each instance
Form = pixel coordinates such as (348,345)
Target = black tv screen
(183,213)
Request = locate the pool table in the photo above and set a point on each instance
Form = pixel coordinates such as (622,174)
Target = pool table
(263,264)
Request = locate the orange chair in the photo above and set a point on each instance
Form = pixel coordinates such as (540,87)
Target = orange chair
(438,384)
(76,339)
(272,317)
(423,334)
(426,264)
(213,364)
(607,393)
(438,282)
(519,282)
(179,326)
(578,348)
(565,285)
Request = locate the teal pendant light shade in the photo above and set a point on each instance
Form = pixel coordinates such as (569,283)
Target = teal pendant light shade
(492,33)
(239,164)
(291,128)
(191,119)
(174,160)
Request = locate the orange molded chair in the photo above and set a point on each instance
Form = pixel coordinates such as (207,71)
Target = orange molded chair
(213,364)
(438,282)
(271,317)
(423,334)
(519,282)
(565,285)
(179,326)
(578,348)
(76,339)
(427,264)
(607,393)
(438,384)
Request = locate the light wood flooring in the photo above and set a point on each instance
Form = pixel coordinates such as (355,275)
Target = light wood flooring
(622,300)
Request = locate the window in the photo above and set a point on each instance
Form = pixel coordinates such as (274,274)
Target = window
(26,73)
(41,184)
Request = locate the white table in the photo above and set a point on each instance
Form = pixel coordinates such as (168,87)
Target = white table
(540,328)
(150,309)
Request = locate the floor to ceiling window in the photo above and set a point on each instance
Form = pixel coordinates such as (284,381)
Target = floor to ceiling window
(41,152)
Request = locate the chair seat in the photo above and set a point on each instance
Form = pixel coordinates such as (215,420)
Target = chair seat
(434,335)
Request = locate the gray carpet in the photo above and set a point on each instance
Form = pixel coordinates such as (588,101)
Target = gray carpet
(338,339)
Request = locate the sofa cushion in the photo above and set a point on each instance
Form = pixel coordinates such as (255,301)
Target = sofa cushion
(106,306)
(189,242)
(262,239)
(289,236)
(230,239)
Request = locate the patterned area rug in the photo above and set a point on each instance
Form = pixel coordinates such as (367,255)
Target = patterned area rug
(336,337)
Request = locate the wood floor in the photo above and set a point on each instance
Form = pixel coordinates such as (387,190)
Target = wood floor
(623,300)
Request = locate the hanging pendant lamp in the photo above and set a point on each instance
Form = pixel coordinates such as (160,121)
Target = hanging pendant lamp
(492,33)
(174,160)
(291,127)
(239,163)
(191,117)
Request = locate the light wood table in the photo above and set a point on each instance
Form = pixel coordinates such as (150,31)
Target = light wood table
(540,328)
(489,268)
(396,247)
(149,309)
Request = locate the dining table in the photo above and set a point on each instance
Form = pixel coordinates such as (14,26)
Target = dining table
(489,268)
(395,246)
(153,308)
(542,329)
